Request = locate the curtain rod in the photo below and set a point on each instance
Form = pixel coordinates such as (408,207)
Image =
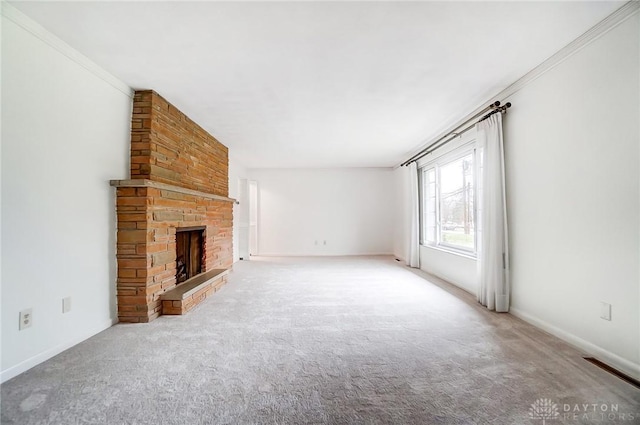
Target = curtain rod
(452,132)
(494,107)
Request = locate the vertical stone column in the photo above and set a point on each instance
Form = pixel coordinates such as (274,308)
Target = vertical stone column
(170,149)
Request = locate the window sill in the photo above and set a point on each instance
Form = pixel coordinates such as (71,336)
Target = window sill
(451,251)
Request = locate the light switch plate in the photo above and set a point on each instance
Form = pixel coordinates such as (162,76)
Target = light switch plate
(66,304)
(605,311)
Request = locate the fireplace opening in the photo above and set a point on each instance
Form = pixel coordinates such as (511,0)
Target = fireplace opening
(189,252)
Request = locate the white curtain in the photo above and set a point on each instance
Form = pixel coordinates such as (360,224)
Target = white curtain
(492,232)
(413,227)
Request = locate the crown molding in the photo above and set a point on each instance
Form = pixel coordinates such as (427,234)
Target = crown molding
(607,24)
(28,24)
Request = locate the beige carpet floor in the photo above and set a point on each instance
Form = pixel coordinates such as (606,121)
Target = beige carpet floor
(360,340)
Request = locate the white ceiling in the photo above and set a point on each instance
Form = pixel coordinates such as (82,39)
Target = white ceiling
(320,84)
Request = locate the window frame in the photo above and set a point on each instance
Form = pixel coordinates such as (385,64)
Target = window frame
(436,164)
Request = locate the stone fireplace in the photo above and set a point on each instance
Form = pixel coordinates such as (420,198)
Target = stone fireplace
(174,232)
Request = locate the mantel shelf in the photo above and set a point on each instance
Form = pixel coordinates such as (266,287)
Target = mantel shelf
(169,187)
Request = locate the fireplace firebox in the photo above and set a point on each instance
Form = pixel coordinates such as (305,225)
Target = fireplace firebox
(189,252)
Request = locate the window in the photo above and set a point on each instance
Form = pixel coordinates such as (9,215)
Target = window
(448,202)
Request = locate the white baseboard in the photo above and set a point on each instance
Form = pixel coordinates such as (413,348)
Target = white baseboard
(315,254)
(623,365)
(23,366)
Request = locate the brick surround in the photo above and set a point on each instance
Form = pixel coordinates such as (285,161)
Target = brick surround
(179,178)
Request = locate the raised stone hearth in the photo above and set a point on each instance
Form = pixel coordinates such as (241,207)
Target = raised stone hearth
(192,292)
(179,180)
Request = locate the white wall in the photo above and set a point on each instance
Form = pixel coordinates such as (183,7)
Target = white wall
(572,141)
(65,133)
(457,269)
(349,208)
(572,154)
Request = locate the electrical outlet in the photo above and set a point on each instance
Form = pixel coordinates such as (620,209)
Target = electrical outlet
(605,311)
(66,304)
(26,319)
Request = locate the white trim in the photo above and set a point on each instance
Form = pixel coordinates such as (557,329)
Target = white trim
(450,153)
(25,365)
(467,147)
(446,153)
(607,24)
(459,253)
(626,366)
(28,24)
(613,360)
(297,255)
